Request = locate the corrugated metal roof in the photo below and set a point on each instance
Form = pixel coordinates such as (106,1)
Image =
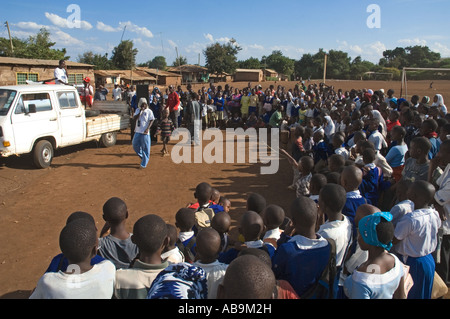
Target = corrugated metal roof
(39,62)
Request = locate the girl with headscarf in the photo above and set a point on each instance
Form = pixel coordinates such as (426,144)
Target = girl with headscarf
(439,102)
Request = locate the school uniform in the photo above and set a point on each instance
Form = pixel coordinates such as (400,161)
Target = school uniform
(401,209)
(215,272)
(301,261)
(96,283)
(186,239)
(417,232)
(353,201)
(173,256)
(232,253)
(134,282)
(363,285)
(370,184)
(120,252)
(378,140)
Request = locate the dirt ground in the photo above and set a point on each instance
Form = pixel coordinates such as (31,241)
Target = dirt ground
(34,204)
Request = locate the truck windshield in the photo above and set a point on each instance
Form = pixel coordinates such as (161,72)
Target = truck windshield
(6,99)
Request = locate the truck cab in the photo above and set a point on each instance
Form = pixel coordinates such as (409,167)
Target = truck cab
(37,119)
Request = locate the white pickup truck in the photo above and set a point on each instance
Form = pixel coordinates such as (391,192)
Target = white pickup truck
(38,119)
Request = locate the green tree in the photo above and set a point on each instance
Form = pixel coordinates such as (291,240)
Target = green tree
(358,67)
(100,62)
(250,63)
(279,63)
(158,62)
(221,58)
(36,46)
(124,56)
(181,60)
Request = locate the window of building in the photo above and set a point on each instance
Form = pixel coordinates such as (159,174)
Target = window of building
(76,78)
(22,77)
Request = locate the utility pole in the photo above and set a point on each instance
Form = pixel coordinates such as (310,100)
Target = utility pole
(10,39)
(325,68)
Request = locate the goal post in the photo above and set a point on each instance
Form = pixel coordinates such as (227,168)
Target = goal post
(404,87)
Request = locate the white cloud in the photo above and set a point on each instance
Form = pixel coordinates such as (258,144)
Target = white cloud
(415,41)
(106,28)
(65,23)
(29,25)
(64,39)
(136,29)
(441,48)
(209,37)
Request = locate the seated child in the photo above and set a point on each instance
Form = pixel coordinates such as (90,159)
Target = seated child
(256,203)
(317,182)
(172,253)
(428,130)
(208,248)
(336,226)
(418,163)
(221,222)
(301,259)
(415,239)
(396,154)
(320,151)
(333,177)
(185,221)
(251,227)
(60,262)
(336,163)
(370,187)
(117,246)
(305,168)
(150,235)
(376,234)
(78,242)
(273,217)
(351,179)
(337,142)
(225,203)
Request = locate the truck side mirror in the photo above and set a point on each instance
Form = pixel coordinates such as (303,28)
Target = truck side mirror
(32,108)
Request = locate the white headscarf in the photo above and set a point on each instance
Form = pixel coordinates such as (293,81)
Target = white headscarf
(376,114)
(142,101)
(440,101)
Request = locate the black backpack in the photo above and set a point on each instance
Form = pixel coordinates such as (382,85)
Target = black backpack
(324,287)
(189,257)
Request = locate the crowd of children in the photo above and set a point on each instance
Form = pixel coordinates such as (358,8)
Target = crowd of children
(371,175)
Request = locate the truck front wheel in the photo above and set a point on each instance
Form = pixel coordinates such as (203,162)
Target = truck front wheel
(43,154)
(108,139)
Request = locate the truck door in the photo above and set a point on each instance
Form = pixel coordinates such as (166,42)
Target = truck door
(72,119)
(34,116)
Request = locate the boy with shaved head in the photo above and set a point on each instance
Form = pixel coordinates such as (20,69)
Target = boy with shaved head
(208,248)
(117,246)
(302,258)
(247,277)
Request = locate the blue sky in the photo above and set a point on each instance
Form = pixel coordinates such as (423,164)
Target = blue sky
(295,27)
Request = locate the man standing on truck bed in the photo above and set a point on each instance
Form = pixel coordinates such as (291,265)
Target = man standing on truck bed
(141,141)
(60,73)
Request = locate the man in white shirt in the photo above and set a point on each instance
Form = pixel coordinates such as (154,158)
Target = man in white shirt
(117,93)
(60,73)
(144,119)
